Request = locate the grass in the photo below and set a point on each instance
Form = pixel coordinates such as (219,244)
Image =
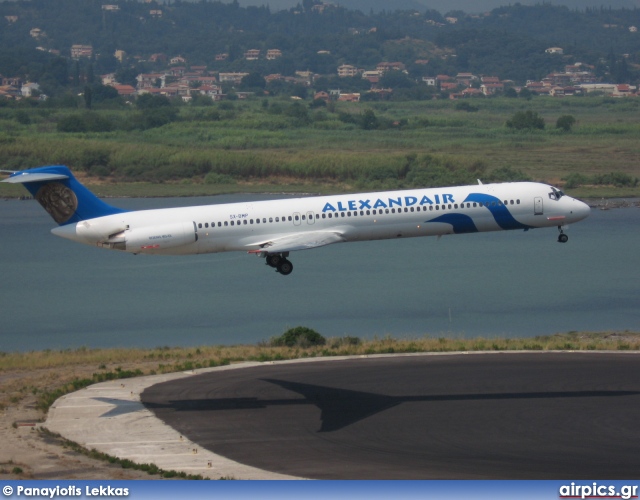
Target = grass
(50,374)
(261,150)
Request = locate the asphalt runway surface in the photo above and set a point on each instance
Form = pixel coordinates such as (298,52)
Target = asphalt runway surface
(484,416)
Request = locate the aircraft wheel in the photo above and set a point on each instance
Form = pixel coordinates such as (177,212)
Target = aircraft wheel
(273,260)
(563,238)
(285,267)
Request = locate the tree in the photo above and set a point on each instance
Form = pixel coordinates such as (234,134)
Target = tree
(565,122)
(88,97)
(524,120)
(253,80)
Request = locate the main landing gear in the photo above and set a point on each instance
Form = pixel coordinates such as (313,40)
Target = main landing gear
(279,262)
(562,238)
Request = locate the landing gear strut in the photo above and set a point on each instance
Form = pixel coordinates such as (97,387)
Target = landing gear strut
(279,262)
(562,238)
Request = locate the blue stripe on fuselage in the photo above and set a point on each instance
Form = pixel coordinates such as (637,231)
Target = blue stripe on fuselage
(500,212)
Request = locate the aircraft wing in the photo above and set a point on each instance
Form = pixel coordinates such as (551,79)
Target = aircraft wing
(299,241)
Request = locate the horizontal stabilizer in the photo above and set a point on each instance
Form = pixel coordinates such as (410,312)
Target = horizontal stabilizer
(300,241)
(32,177)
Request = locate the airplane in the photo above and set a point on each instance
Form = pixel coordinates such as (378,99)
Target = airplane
(273,229)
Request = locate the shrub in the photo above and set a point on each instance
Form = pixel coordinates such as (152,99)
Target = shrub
(300,335)
(565,122)
(524,120)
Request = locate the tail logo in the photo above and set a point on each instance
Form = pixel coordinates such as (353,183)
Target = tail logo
(57,199)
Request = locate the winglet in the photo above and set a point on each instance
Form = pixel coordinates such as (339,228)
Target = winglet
(479,182)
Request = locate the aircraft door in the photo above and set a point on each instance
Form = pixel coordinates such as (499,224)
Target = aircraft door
(296,219)
(537,206)
(311,218)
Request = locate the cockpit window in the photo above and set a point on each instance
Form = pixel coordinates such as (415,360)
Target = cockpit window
(555,194)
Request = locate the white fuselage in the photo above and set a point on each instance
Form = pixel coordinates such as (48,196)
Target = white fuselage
(281,224)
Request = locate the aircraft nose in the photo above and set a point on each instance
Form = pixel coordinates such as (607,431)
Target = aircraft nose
(580,210)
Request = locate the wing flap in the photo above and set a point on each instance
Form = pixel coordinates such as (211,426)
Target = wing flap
(299,241)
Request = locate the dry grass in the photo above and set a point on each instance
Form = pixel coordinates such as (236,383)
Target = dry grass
(42,373)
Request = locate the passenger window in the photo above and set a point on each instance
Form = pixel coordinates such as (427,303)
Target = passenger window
(277,219)
(386,210)
(270,219)
(297,217)
(324,216)
(342,214)
(264,220)
(303,217)
(348,214)
(226,223)
(244,222)
(368,212)
(517,202)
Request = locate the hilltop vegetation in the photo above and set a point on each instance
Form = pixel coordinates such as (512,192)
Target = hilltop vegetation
(510,42)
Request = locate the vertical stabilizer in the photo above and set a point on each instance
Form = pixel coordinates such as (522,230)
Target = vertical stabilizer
(61,195)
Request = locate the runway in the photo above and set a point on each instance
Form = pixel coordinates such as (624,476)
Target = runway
(462,416)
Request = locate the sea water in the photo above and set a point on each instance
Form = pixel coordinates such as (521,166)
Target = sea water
(58,294)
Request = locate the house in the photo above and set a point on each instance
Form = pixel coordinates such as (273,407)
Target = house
(36,33)
(78,51)
(491,88)
(120,55)
(158,58)
(177,60)
(624,90)
(368,75)
(214,91)
(466,79)
(555,50)
(471,92)
(273,54)
(222,57)
(431,81)
(352,97)
(150,80)
(30,89)
(448,86)
(633,29)
(234,78)
(176,71)
(383,67)
(10,92)
(252,54)
(322,96)
(125,90)
(155,13)
(346,70)
(11,19)
(111,8)
(14,81)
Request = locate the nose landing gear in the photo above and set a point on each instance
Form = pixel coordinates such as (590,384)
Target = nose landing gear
(562,238)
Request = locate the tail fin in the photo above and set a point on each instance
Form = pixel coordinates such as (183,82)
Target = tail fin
(60,194)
